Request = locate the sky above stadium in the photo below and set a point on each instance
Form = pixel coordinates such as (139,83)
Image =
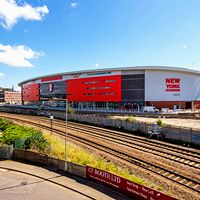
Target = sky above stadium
(39,37)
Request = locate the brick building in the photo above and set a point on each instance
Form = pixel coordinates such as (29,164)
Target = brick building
(8,95)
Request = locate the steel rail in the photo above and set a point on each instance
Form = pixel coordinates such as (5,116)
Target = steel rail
(169,174)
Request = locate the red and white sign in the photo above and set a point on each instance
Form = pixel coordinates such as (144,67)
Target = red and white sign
(173,84)
(128,187)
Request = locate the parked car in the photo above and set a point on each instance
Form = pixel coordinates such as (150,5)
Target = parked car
(150,109)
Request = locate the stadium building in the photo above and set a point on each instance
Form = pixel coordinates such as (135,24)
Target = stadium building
(117,88)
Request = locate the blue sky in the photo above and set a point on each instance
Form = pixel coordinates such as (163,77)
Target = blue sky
(39,37)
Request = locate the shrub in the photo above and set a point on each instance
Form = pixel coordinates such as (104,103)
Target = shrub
(4,123)
(37,142)
(159,122)
(13,132)
(70,110)
(33,139)
(130,119)
(109,117)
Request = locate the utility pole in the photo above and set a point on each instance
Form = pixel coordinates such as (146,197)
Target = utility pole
(66,134)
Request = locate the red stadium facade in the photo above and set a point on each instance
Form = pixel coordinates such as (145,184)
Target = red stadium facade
(129,88)
(97,89)
(31,92)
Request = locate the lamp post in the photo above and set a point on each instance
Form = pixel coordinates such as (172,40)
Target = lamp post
(66,134)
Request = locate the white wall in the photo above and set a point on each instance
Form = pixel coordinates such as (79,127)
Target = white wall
(155,86)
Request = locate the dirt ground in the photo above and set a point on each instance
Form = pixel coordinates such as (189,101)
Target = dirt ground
(189,123)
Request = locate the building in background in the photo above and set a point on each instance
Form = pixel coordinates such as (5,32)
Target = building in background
(9,96)
(118,88)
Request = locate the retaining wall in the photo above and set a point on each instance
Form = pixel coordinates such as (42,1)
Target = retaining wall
(6,152)
(44,159)
(183,134)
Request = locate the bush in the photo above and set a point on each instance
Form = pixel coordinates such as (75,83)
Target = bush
(109,117)
(70,110)
(159,122)
(13,132)
(33,139)
(130,119)
(37,142)
(4,123)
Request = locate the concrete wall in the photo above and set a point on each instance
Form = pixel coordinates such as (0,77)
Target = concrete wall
(6,152)
(44,159)
(183,134)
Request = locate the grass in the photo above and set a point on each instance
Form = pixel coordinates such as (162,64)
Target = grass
(81,156)
(130,119)
(159,122)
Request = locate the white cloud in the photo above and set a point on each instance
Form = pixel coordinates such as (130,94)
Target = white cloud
(18,56)
(96,65)
(1,74)
(74,5)
(11,12)
(184,46)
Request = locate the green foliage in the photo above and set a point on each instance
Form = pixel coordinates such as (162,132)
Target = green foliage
(130,119)
(13,132)
(37,142)
(109,117)
(70,110)
(159,122)
(33,138)
(4,123)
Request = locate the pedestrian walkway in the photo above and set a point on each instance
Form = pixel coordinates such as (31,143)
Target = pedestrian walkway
(28,182)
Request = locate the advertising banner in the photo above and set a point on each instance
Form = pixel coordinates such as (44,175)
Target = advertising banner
(128,187)
(53,89)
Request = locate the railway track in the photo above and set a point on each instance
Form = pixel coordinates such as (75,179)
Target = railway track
(181,156)
(81,132)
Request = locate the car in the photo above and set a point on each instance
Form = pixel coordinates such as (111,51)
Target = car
(150,109)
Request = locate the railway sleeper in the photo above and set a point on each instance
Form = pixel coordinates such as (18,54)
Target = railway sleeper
(197,186)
